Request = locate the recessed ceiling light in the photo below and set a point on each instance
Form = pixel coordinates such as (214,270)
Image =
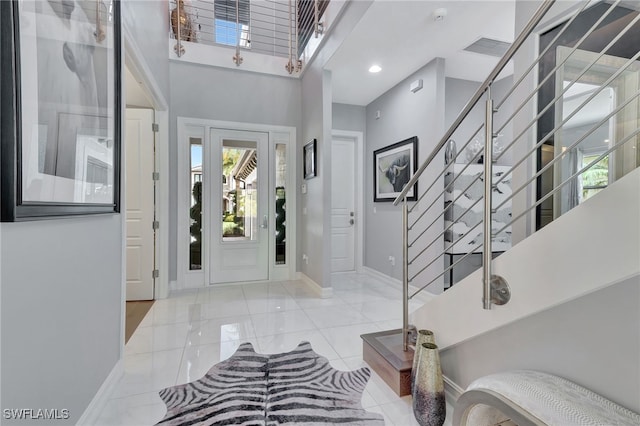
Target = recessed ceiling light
(375,68)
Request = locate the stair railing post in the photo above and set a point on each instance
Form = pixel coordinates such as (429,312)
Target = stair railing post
(488,189)
(405,275)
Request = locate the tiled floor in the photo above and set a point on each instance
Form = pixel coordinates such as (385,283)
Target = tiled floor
(183,336)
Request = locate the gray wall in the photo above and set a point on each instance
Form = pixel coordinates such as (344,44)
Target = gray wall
(349,117)
(206,92)
(316,124)
(61,311)
(592,341)
(403,114)
(148,24)
(458,94)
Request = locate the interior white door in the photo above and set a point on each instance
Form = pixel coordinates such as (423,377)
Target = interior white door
(343,214)
(139,152)
(239,223)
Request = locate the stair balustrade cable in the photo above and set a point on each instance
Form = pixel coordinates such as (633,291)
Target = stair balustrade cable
(462,234)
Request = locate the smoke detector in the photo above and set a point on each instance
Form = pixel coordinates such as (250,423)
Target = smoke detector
(439,14)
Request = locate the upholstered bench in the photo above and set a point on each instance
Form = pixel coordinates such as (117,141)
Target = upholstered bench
(534,398)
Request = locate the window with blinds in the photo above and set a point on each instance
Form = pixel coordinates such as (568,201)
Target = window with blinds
(231,22)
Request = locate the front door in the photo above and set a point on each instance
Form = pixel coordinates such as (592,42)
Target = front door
(239,222)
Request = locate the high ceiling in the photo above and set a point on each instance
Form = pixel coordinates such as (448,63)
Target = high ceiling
(402,36)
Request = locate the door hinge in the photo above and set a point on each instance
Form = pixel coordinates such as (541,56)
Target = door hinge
(155,127)
(155,273)
(155,225)
(155,176)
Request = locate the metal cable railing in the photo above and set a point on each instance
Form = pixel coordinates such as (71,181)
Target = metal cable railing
(478,190)
(280,28)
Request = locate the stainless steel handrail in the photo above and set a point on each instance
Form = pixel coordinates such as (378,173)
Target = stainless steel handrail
(488,191)
(528,29)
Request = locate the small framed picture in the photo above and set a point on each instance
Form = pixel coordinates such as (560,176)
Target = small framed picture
(393,167)
(309,157)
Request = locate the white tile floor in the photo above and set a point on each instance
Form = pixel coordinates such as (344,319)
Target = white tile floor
(183,336)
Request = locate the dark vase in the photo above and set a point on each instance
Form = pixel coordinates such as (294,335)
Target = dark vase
(429,406)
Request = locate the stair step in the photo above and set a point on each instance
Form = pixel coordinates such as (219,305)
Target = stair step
(383,352)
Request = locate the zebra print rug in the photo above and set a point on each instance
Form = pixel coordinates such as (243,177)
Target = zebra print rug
(297,387)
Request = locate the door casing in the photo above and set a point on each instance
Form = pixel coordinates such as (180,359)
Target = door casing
(277,135)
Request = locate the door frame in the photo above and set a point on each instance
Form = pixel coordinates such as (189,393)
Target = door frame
(277,134)
(358,139)
(134,60)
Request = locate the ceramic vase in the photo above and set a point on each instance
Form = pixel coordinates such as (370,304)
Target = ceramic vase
(450,152)
(424,336)
(429,407)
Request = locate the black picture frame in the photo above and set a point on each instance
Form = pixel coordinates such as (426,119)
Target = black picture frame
(309,160)
(393,167)
(61,109)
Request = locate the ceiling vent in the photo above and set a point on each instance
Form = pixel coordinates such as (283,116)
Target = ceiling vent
(488,46)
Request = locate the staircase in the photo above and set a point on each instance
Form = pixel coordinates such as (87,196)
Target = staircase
(556,218)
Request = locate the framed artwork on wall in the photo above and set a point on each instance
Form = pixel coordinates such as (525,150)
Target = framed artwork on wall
(309,159)
(61,108)
(393,167)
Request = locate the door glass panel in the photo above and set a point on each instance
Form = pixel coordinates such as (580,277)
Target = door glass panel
(239,191)
(195,210)
(281,203)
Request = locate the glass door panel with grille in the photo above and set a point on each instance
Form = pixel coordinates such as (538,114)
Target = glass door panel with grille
(240,200)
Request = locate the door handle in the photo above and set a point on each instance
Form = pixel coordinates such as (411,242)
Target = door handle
(265,222)
(351,221)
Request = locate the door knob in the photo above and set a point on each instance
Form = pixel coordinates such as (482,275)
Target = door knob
(351,221)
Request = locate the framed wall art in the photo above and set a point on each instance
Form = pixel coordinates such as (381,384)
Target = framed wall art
(309,159)
(393,167)
(61,108)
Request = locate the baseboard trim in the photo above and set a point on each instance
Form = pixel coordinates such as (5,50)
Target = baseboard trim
(383,277)
(97,404)
(452,390)
(323,292)
(424,296)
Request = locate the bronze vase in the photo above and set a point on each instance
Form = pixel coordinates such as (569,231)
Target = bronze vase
(179,15)
(429,406)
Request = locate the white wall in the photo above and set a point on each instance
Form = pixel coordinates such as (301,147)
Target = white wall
(200,91)
(61,311)
(148,24)
(592,341)
(403,114)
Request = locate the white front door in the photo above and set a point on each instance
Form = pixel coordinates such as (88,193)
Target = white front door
(343,214)
(139,159)
(239,222)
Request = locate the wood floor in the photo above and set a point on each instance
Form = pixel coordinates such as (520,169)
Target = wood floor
(135,314)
